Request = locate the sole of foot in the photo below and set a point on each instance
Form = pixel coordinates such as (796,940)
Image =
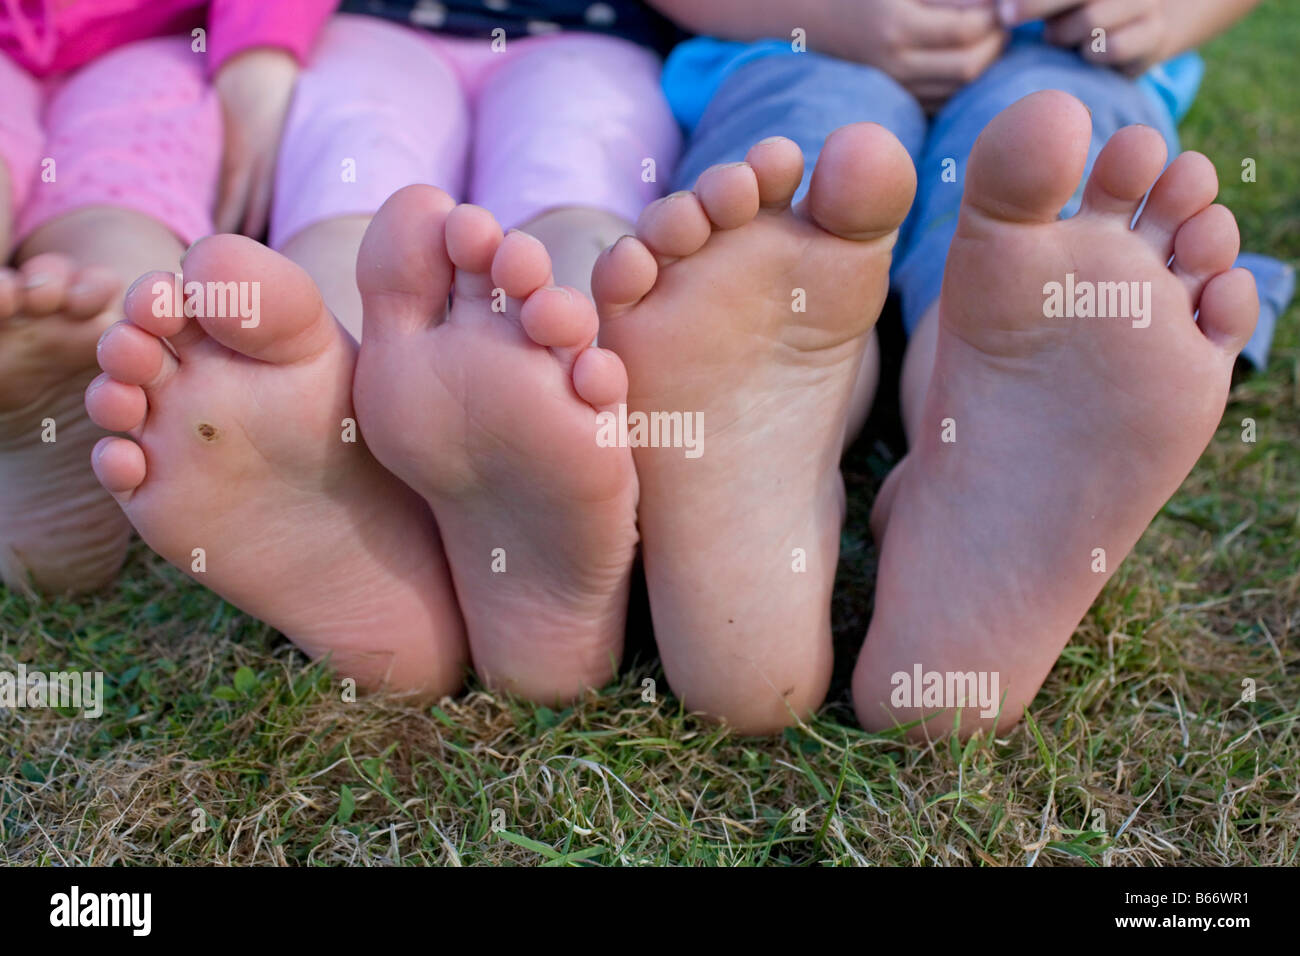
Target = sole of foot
(244,468)
(490,409)
(1051,436)
(59,532)
(748,319)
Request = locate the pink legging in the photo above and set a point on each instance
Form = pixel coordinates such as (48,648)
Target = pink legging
(139,128)
(570,119)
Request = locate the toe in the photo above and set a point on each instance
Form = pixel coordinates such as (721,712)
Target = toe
(674,226)
(133,356)
(521,265)
(1229,309)
(1123,172)
(156,303)
(1028,161)
(10,295)
(729,195)
(403,271)
(600,378)
(1204,246)
(863,184)
(44,281)
(119,465)
(778,166)
(90,292)
(624,273)
(267,307)
(559,318)
(473,238)
(114,405)
(1184,189)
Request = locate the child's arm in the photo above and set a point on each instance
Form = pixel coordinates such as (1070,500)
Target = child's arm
(1139,33)
(256,50)
(930,49)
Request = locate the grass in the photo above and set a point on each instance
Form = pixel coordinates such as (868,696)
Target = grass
(222,745)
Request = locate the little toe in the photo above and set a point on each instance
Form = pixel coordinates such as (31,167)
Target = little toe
(1229,309)
(119,465)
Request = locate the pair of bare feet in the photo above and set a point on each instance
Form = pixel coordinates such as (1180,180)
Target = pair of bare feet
(481,516)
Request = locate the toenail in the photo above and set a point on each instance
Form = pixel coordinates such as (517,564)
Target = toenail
(36,280)
(82,288)
(769,141)
(561,289)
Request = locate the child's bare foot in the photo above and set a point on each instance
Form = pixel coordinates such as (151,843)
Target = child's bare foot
(242,449)
(1068,434)
(731,305)
(489,410)
(59,532)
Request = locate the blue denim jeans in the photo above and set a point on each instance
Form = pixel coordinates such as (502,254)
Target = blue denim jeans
(729,96)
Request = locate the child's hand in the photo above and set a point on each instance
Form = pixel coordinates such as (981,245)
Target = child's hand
(255,88)
(1136,30)
(931,47)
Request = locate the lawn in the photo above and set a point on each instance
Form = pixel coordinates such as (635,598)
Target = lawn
(221,744)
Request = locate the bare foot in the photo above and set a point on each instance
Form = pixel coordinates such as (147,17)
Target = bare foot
(240,447)
(489,410)
(732,306)
(59,532)
(1067,434)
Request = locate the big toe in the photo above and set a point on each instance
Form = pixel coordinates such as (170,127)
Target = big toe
(863,184)
(257,302)
(403,270)
(1027,163)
